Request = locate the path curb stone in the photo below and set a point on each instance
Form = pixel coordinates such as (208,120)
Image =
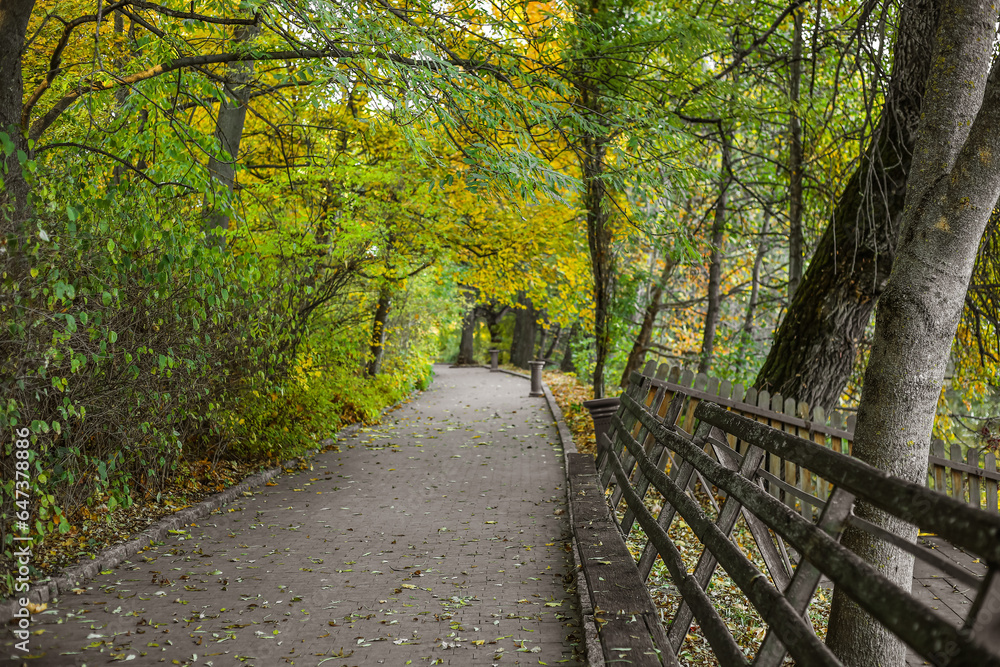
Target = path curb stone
(78,574)
(592,644)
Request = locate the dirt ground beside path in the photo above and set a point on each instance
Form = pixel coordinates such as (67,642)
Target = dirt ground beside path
(440,537)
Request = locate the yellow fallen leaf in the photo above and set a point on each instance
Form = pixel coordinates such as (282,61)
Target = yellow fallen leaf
(37,608)
(407,586)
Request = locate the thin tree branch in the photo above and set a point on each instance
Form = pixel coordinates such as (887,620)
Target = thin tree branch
(124,163)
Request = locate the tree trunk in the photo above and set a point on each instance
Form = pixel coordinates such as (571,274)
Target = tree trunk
(556,336)
(746,333)
(815,347)
(522,347)
(601,260)
(758,260)
(983,298)
(377,351)
(795,162)
(466,348)
(567,365)
(14,16)
(715,267)
(641,344)
(229,132)
(493,315)
(121,93)
(954,184)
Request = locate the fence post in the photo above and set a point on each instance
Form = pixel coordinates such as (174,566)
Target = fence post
(990,465)
(601,411)
(972,458)
(536,377)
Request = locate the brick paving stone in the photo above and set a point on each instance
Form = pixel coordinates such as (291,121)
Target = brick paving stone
(439,537)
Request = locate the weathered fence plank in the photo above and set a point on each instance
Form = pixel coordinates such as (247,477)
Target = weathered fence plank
(947,472)
(791,480)
(990,466)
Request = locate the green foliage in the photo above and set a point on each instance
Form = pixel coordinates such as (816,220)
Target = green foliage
(121,339)
(131,342)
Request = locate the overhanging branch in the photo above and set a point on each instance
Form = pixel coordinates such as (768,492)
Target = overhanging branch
(332,53)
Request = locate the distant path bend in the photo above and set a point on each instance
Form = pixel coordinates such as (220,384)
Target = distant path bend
(439,537)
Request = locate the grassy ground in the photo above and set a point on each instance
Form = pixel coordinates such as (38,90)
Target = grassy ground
(739,615)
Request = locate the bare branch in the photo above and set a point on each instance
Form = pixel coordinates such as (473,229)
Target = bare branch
(124,163)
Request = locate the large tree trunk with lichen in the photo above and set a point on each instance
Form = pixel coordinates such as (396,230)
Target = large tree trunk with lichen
(954,183)
(815,347)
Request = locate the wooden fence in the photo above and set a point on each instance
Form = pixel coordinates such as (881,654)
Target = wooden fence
(666,438)
(973,478)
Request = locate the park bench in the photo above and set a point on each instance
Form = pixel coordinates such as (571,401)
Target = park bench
(795,492)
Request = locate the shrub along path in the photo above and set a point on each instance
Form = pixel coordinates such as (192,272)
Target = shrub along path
(440,537)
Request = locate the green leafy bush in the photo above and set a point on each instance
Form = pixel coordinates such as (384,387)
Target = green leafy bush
(130,342)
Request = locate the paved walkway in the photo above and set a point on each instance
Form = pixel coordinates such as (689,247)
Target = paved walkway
(948,596)
(439,538)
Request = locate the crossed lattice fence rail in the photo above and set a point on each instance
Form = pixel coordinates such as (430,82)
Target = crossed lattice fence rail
(972,477)
(796,494)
